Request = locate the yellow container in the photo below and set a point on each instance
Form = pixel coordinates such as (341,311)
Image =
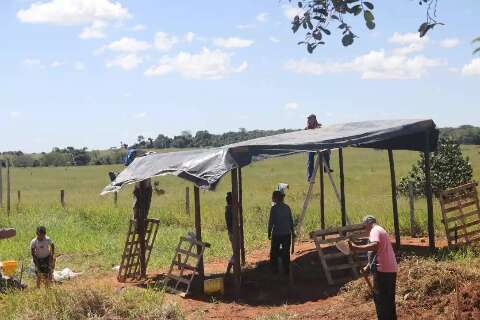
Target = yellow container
(212,286)
(9,267)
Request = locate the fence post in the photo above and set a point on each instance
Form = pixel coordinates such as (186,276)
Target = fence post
(115,198)
(19,197)
(8,187)
(187,200)
(1,184)
(62,198)
(411,197)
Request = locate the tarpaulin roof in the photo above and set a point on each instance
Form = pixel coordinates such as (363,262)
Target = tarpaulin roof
(205,167)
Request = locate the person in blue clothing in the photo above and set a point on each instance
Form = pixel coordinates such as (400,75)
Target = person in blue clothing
(280,232)
(312,123)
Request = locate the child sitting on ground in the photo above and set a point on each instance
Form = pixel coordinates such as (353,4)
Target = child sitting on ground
(43,251)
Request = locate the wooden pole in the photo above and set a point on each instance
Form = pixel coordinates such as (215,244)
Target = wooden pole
(428,193)
(198,232)
(322,193)
(187,200)
(8,187)
(411,197)
(393,181)
(1,184)
(62,198)
(342,188)
(19,197)
(237,269)
(115,198)
(240,215)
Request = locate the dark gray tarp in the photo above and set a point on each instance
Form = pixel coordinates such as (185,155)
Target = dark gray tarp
(205,167)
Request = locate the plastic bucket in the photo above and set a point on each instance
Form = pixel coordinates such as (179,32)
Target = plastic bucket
(212,286)
(9,267)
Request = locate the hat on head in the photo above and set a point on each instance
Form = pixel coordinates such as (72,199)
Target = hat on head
(369,219)
(312,116)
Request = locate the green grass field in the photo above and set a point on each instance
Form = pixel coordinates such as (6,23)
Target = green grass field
(90,232)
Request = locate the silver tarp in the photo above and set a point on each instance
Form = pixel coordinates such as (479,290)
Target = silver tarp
(205,167)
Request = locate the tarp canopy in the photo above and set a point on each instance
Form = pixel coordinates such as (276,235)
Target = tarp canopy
(205,167)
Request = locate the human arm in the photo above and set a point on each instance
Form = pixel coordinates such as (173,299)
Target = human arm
(372,246)
(270,223)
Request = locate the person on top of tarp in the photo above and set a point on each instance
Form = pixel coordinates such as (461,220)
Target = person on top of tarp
(312,123)
(280,232)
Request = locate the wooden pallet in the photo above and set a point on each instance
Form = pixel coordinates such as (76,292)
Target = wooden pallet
(461,214)
(332,259)
(130,265)
(185,265)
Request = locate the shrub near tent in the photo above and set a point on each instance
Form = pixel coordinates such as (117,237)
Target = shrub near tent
(448,166)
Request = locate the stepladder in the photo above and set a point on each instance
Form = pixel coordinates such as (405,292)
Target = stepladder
(461,214)
(130,268)
(338,267)
(185,265)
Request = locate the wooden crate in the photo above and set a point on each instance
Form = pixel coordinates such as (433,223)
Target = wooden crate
(333,261)
(461,214)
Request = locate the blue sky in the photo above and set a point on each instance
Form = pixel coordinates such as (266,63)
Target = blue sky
(96,72)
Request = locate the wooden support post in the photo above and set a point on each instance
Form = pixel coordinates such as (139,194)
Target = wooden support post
(8,187)
(19,198)
(1,184)
(115,199)
(240,215)
(411,196)
(393,181)
(237,269)
(428,193)
(187,200)
(198,232)
(322,193)
(342,188)
(62,198)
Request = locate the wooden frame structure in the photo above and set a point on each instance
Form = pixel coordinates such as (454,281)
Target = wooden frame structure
(461,214)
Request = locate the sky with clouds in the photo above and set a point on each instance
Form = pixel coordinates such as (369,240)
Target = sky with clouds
(96,72)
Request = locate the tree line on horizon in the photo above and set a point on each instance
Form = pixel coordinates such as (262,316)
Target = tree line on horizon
(71,156)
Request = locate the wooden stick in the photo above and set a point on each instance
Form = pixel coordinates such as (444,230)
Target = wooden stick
(1,184)
(306,202)
(237,269)
(428,192)
(240,208)
(198,232)
(411,197)
(62,198)
(19,197)
(342,188)
(187,200)
(115,199)
(393,181)
(322,193)
(8,187)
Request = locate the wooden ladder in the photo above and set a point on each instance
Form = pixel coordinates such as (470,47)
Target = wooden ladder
(130,265)
(179,279)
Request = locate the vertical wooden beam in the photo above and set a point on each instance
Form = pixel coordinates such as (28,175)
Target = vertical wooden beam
(115,199)
(342,188)
(237,269)
(411,198)
(428,193)
(393,181)
(62,198)
(1,184)
(322,192)
(187,200)
(240,210)
(8,187)
(19,198)
(198,232)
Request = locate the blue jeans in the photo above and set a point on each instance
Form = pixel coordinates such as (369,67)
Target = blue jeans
(311,162)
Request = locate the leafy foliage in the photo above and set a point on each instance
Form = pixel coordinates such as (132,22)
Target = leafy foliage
(319,17)
(448,169)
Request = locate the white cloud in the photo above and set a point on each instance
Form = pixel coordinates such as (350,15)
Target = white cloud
(95,31)
(57,64)
(189,36)
(245,26)
(292,105)
(95,14)
(15,114)
(31,62)
(407,38)
(207,64)
(262,17)
(290,11)
(79,66)
(472,69)
(411,48)
(139,27)
(373,65)
(126,44)
(232,42)
(449,43)
(274,39)
(140,115)
(164,42)
(127,62)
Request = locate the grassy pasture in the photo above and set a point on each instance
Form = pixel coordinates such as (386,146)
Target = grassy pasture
(90,232)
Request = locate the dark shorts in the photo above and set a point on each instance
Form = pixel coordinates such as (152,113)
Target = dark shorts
(43,266)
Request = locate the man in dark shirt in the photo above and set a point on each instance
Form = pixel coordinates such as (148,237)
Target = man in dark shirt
(312,123)
(280,231)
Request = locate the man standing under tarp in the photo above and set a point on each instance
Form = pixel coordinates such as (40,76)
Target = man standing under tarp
(312,123)
(142,194)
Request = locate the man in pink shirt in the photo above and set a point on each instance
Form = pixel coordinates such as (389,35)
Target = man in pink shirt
(383,266)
